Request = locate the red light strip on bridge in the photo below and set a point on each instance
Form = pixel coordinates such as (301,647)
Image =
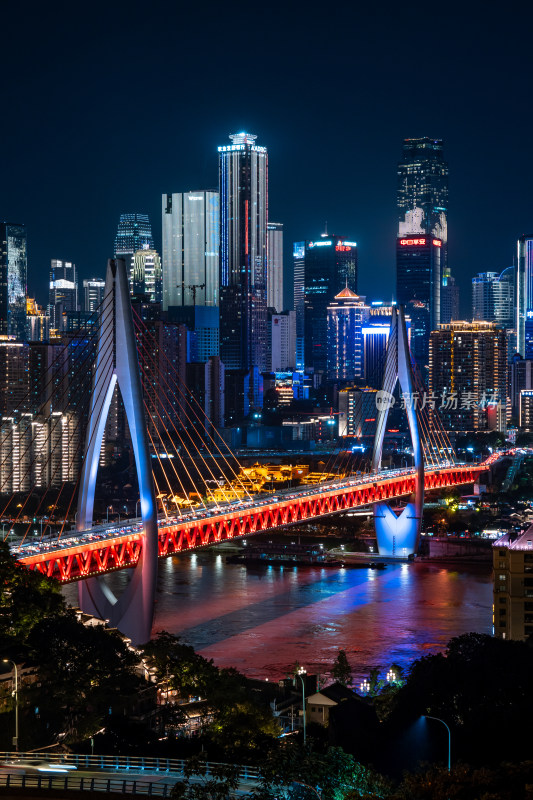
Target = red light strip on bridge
(96,558)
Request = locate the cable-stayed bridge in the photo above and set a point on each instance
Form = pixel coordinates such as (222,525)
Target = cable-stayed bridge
(55,452)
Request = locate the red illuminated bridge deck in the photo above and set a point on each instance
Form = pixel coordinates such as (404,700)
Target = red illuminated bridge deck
(88,553)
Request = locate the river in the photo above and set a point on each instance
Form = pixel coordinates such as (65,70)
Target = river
(263,620)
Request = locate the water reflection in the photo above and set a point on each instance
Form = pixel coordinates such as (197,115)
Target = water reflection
(264,620)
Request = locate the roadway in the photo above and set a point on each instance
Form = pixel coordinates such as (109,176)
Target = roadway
(131,528)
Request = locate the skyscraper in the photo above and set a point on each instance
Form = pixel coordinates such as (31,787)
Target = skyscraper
(146,278)
(190,249)
(449,297)
(423,189)
(13,279)
(468,373)
(345,338)
(493,298)
(418,284)
(134,233)
(93,293)
(275,266)
(243,182)
(524,288)
(63,293)
(422,202)
(321,269)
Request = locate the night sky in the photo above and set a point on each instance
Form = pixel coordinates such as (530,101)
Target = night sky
(107,105)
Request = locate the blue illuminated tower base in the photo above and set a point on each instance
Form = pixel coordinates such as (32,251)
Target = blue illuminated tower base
(398,536)
(132,613)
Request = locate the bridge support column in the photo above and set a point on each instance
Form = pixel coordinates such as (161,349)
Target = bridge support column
(116,363)
(398,535)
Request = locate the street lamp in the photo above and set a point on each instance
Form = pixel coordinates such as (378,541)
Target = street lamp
(16,696)
(107,512)
(427,716)
(301,672)
(137,508)
(365,687)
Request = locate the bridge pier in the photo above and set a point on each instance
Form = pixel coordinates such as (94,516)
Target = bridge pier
(117,364)
(398,535)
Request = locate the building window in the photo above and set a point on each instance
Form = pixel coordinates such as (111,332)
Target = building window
(502,577)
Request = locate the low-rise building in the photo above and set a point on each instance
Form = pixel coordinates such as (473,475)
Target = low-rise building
(320,704)
(513,585)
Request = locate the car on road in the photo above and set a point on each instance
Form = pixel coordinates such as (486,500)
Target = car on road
(34,766)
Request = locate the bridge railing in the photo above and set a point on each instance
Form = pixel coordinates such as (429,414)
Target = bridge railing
(133,764)
(83,784)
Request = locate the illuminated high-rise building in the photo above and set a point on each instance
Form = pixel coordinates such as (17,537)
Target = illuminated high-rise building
(322,268)
(493,297)
(449,297)
(146,277)
(422,202)
(468,374)
(63,293)
(93,293)
(524,288)
(190,249)
(13,279)
(423,189)
(134,233)
(345,338)
(275,267)
(418,285)
(243,183)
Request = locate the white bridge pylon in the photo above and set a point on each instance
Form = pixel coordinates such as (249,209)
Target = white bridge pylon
(117,363)
(398,535)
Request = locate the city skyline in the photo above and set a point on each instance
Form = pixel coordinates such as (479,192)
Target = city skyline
(321,167)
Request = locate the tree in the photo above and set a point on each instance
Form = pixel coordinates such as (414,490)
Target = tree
(88,672)
(342,671)
(506,782)
(219,783)
(288,770)
(481,685)
(179,667)
(26,597)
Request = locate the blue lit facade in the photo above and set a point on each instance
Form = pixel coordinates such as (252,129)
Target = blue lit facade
(345,340)
(322,268)
(523,288)
(13,279)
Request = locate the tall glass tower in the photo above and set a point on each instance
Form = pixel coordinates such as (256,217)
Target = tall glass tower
(243,182)
(134,233)
(423,189)
(523,288)
(275,267)
(63,292)
(321,269)
(422,202)
(190,249)
(13,279)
